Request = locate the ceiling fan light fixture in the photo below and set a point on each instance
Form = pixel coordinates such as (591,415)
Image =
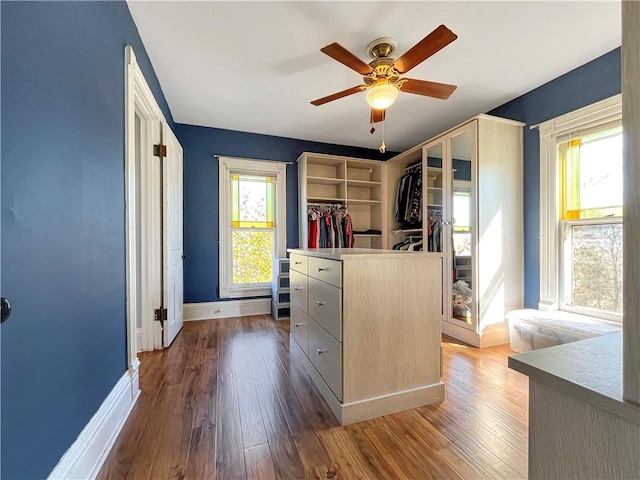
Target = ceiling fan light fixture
(382,96)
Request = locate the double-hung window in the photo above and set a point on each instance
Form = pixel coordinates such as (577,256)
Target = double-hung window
(591,221)
(252,225)
(581,211)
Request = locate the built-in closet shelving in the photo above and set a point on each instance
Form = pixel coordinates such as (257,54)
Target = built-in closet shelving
(475,168)
(433,187)
(394,171)
(357,183)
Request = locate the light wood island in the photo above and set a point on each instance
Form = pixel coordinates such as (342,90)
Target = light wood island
(366,324)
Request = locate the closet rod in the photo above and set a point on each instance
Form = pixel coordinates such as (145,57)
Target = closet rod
(411,167)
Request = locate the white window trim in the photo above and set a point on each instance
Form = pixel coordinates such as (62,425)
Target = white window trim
(605,111)
(228,165)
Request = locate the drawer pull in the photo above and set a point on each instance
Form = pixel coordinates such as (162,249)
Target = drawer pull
(297,263)
(320,303)
(297,288)
(297,324)
(323,269)
(321,351)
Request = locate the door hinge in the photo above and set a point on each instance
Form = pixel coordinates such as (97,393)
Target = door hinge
(160,314)
(160,150)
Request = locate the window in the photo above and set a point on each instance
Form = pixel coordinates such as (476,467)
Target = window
(581,211)
(591,221)
(252,225)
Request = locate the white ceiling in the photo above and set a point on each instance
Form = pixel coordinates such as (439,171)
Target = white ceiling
(255,66)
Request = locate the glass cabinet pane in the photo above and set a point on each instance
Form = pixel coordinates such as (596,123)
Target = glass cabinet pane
(434,199)
(462,226)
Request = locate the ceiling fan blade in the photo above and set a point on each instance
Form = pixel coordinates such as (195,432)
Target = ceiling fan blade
(344,56)
(336,96)
(377,115)
(428,89)
(432,43)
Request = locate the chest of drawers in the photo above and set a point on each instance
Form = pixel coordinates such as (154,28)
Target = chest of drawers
(366,326)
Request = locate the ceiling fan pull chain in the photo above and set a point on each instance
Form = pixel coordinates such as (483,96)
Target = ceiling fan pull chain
(383,147)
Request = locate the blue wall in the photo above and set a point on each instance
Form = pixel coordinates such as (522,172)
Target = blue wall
(63,240)
(63,221)
(583,86)
(201,193)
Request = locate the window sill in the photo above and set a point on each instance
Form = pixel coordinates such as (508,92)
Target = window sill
(586,314)
(248,292)
(565,319)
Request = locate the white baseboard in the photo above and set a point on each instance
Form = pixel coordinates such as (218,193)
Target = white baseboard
(461,333)
(138,340)
(87,454)
(498,335)
(232,308)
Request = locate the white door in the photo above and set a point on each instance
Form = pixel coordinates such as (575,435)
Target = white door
(172,252)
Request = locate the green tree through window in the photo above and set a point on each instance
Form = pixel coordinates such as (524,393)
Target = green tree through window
(253,225)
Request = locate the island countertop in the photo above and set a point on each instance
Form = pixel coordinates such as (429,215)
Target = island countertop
(352,253)
(588,369)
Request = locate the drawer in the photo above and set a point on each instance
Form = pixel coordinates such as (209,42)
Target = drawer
(299,290)
(329,271)
(300,328)
(299,263)
(325,306)
(325,352)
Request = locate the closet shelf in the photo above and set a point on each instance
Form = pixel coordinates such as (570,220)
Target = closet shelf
(362,183)
(326,161)
(359,201)
(367,234)
(325,200)
(325,180)
(439,205)
(408,230)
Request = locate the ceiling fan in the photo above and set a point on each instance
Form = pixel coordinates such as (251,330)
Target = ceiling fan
(383,76)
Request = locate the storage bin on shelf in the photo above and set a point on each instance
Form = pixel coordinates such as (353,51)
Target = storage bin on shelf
(280,302)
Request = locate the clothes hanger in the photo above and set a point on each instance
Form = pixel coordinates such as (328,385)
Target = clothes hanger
(412,247)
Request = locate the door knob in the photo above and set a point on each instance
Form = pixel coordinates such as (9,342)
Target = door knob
(6,309)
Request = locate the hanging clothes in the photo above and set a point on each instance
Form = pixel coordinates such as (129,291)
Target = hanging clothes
(330,226)
(434,229)
(408,204)
(348,229)
(314,231)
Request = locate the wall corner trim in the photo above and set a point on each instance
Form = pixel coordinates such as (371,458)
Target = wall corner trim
(231,308)
(87,454)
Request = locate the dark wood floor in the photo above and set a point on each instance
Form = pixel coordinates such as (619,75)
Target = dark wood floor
(228,400)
